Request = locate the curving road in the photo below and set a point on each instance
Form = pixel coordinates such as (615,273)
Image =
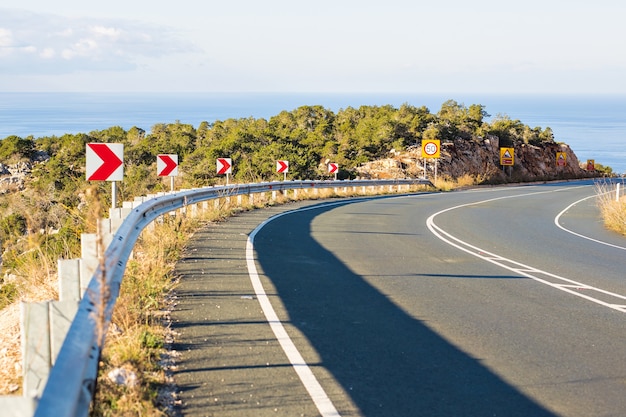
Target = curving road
(506,301)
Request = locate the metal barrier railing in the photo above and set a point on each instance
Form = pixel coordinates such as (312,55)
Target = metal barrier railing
(71,383)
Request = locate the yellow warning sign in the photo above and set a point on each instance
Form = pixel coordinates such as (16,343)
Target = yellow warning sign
(561,159)
(507,156)
(431,148)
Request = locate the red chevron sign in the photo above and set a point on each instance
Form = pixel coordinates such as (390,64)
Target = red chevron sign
(224,166)
(105,161)
(167,165)
(333,168)
(282,166)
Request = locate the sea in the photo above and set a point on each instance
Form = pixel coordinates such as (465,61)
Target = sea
(594,126)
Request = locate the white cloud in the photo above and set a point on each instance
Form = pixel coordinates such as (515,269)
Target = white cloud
(34,43)
(48,53)
(6,38)
(107,32)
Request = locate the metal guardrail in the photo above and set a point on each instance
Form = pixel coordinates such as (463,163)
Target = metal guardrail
(71,383)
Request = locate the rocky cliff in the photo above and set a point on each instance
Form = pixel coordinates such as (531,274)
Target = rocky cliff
(479,159)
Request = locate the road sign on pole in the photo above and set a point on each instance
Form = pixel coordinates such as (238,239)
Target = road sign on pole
(431,148)
(225,166)
(333,168)
(167,165)
(507,157)
(105,161)
(282,167)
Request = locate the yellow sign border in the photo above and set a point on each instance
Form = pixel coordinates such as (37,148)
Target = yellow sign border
(435,142)
(503,151)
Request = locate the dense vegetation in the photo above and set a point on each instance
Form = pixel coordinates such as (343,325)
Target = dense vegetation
(54,199)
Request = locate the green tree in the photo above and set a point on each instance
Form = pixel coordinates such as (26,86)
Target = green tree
(15,148)
(507,130)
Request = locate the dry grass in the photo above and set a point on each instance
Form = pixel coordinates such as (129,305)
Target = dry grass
(612,209)
(448,184)
(10,354)
(137,336)
(33,279)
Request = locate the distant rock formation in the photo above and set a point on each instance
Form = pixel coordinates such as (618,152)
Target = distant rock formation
(13,177)
(480,159)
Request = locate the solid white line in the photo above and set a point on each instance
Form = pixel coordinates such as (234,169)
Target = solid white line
(558,224)
(567,285)
(314,388)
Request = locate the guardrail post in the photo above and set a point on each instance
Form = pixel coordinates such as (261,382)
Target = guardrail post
(36,355)
(44,326)
(88,259)
(18,406)
(61,314)
(69,279)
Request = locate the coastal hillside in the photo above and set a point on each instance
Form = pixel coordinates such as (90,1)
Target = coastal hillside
(43,190)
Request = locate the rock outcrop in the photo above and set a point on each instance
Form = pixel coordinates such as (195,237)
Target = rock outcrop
(13,177)
(479,159)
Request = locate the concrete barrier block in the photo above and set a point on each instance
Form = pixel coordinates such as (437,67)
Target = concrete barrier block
(69,279)
(88,259)
(61,314)
(36,353)
(16,406)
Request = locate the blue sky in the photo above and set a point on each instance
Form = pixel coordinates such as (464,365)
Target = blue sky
(455,46)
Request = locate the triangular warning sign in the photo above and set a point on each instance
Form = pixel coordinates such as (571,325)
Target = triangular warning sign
(561,156)
(507,154)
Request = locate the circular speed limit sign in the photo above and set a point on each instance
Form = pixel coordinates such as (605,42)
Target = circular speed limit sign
(430,149)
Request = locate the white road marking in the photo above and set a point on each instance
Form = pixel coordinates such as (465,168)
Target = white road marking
(578,289)
(558,224)
(314,388)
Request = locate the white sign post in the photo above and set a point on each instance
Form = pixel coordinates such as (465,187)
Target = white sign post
(225,166)
(167,166)
(105,162)
(333,168)
(282,166)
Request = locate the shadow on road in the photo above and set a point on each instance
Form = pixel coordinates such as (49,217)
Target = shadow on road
(388,362)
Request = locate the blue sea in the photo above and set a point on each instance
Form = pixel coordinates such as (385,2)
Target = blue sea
(594,126)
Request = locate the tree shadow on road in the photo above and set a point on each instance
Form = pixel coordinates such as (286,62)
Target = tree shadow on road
(388,362)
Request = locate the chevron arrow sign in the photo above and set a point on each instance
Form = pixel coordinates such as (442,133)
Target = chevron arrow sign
(282,166)
(105,161)
(167,165)
(224,166)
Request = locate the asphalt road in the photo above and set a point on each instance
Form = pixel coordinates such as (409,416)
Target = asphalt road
(486,302)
